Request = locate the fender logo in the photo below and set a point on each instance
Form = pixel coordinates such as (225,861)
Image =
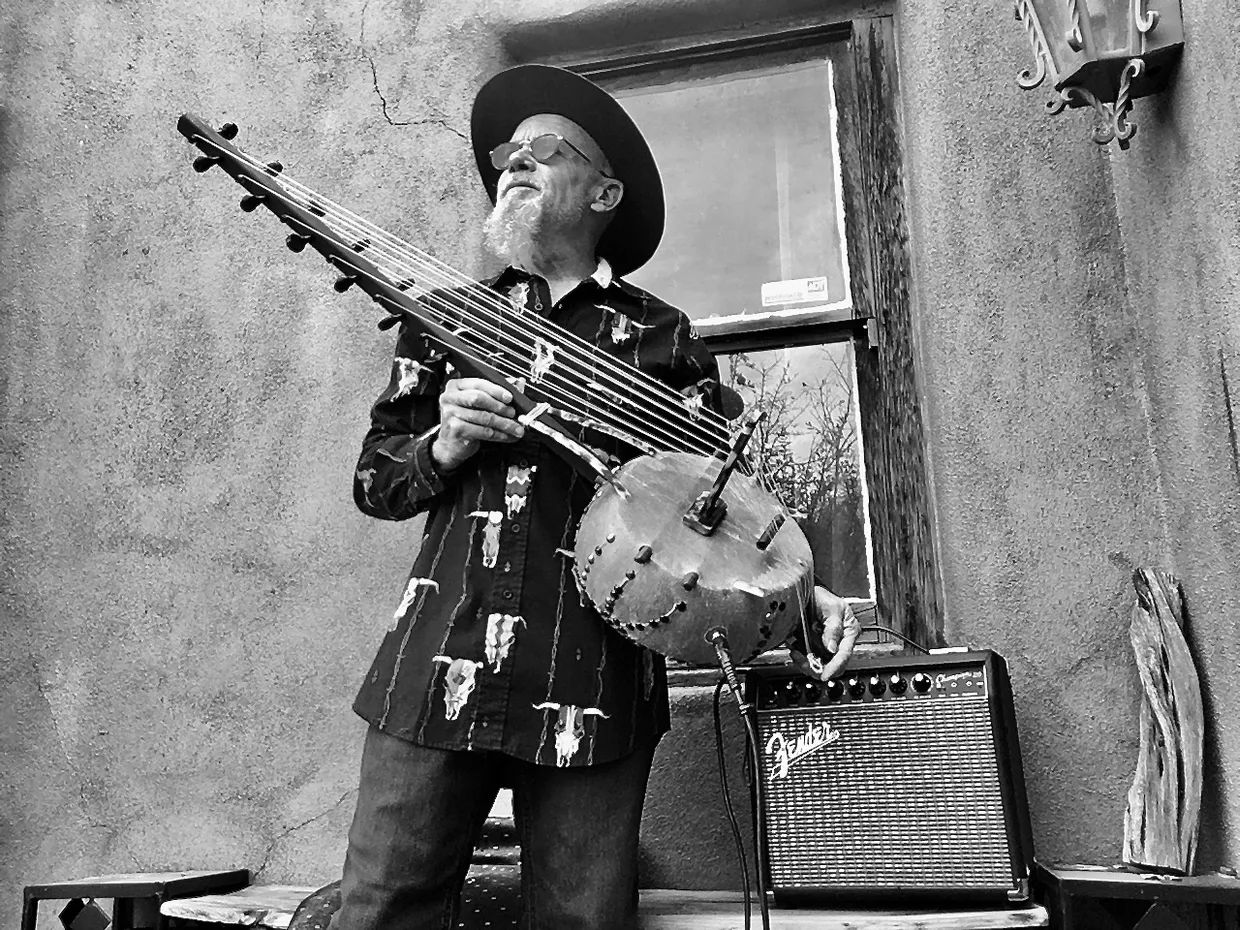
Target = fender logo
(788,753)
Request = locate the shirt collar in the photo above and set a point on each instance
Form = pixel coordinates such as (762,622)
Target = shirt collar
(603,276)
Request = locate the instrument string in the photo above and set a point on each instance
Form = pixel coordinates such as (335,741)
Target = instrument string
(637,438)
(607,409)
(680,428)
(587,363)
(712,432)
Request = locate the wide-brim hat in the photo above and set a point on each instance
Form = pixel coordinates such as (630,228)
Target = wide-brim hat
(514,95)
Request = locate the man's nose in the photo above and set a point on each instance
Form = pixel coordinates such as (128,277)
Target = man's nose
(522,160)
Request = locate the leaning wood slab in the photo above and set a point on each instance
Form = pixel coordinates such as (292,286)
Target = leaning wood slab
(1164,802)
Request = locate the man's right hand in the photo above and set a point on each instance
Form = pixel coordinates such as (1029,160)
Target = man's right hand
(472,411)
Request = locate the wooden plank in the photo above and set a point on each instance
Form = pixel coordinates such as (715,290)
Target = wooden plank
(722,910)
(144,878)
(268,906)
(142,884)
(272,906)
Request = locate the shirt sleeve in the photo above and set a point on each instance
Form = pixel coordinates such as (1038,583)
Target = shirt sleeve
(395,478)
(694,369)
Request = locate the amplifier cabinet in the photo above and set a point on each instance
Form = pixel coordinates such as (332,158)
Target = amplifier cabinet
(900,781)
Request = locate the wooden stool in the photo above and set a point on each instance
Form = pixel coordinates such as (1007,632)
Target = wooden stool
(136,897)
(1114,898)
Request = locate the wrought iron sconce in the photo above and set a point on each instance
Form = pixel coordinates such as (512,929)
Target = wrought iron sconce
(1102,54)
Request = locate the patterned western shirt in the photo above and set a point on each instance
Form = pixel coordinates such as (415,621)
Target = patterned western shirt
(490,646)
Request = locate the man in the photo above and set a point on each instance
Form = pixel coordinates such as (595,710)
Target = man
(495,671)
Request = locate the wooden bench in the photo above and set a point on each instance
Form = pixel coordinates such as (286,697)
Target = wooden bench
(272,906)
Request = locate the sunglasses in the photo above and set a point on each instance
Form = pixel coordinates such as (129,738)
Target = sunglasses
(541,148)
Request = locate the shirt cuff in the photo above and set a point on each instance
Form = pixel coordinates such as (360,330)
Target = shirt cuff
(424,471)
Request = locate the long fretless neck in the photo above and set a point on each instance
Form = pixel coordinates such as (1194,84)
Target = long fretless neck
(550,368)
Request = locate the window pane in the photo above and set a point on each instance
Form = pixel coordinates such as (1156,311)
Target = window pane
(750,170)
(749,158)
(808,448)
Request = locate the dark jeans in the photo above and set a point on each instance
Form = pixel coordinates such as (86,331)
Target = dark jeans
(420,812)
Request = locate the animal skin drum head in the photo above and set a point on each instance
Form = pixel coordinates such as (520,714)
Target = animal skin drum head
(665,586)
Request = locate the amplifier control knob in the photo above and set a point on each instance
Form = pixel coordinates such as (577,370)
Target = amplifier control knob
(898,684)
(812,691)
(835,690)
(792,693)
(921,682)
(877,685)
(856,687)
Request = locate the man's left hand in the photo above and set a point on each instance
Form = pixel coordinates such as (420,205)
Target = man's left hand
(840,629)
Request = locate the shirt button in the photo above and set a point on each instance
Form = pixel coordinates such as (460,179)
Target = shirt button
(516,527)
(507,566)
(484,724)
(524,463)
(508,595)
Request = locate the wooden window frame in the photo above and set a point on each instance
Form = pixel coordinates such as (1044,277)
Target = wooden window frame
(880,324)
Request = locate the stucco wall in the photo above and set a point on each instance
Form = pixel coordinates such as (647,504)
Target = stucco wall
(1071,361)
(189,596)
(1179,213)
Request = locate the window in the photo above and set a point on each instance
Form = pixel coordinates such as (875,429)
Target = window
(755,243)
(786,244)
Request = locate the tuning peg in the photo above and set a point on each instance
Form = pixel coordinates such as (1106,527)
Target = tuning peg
(274,168)
(360,245)
(768,534)
(297,242)
(228,130)
(251,202)
(205,163)
(344,282)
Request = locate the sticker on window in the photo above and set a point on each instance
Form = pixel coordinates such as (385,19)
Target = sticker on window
(793,291)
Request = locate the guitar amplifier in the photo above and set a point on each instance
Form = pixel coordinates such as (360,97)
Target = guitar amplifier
(900,781)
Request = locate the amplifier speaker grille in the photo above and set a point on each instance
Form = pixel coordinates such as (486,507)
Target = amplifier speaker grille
(916,792)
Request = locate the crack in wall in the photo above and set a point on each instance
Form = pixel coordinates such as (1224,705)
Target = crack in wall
(271,847)
(439,121)
(1229,408)
(262,30)
(84,803)
(1140,372)
(383,105)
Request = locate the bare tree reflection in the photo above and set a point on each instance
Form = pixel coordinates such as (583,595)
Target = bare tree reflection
(806,447)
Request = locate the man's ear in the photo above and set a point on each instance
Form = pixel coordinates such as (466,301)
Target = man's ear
(608,196)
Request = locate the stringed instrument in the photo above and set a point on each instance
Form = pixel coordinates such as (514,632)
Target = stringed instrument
(679,550)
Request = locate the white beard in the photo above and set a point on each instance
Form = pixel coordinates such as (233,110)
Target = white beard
(524,233)
(512,229)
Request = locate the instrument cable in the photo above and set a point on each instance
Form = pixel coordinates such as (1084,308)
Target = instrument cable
(727,802)
(719,640)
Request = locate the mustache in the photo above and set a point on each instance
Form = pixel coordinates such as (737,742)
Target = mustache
(517,182)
